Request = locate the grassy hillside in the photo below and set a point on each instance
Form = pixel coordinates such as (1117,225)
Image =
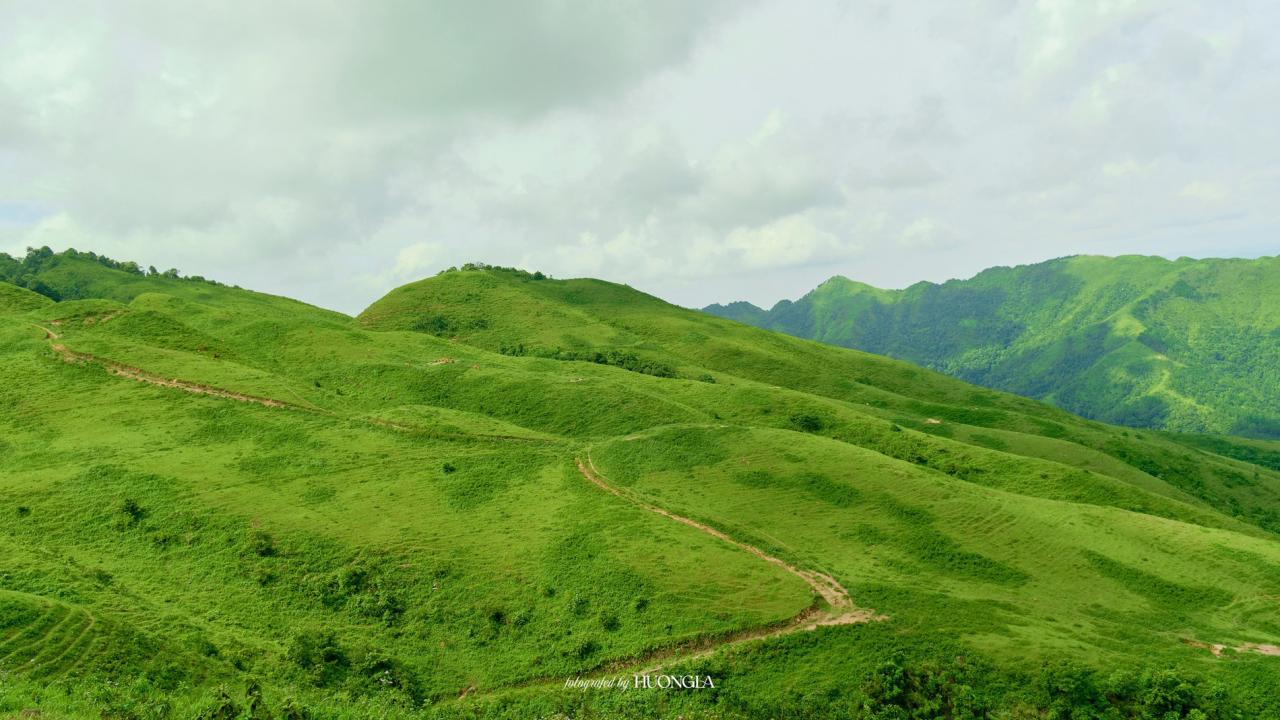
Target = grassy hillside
(1187,345)
(213,500)
(14,299)
(600,322)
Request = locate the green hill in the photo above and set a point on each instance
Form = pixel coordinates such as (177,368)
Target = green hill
(14,299)
(1186,345)
(214,502)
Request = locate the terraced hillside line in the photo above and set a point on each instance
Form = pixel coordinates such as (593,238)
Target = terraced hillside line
(420,430)
(35,635)
(842,610)
(70,651)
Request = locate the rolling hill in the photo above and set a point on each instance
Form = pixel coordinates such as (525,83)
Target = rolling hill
(1185,345)
(215,501)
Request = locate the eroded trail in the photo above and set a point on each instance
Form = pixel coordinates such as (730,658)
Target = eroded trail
(1218,648)
(840,608)
(837,607)
(130,372)
(140,375)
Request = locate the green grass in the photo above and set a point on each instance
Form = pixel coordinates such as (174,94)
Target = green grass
(410,525)
(14,299)
(872,520)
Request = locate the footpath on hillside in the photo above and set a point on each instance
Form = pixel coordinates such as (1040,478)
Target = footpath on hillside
(839,607)
(836,608)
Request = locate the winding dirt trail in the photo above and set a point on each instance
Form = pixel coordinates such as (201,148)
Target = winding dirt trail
(130,372)
(1218,648)
(140,375)
(840,608)
(824,585)
(837,607)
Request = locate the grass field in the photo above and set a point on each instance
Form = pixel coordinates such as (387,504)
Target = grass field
(214,500)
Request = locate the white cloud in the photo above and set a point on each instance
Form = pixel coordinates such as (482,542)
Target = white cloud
(1204,191)
(1125,168)
(416,260)
(702,151)
(922,234)
(786,242)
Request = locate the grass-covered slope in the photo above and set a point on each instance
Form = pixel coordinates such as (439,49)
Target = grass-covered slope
(14,299)
(1187,345)
(203,487)
(346,539)
(592,320)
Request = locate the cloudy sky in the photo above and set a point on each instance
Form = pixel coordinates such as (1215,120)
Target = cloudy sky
(699,151)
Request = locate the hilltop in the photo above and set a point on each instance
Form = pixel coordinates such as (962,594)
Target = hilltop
(491,481)
(1186,345)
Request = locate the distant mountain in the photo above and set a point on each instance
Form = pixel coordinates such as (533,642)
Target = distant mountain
(1187,345)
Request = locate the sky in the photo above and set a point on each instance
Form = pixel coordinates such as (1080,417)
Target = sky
(700,151)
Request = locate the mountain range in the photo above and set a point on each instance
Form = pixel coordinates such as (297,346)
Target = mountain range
(1186,345)
(491,488)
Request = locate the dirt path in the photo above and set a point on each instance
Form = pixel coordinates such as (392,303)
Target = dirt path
(826,586)
(837,608)
(130,372)
(140,375)
(1218,648)
(134,373)
(840,608)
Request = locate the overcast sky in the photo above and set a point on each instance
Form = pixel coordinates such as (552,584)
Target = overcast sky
(702,152)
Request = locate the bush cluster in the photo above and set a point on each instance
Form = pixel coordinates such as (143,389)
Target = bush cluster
(26,272)
(615,358)
(473,266)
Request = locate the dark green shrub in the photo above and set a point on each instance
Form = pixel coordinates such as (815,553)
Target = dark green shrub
(319,655)
(807,422)
(261,543)
(133,512)
(436,325)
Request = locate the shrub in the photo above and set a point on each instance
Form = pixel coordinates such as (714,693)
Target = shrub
(436,325)
(615,358)
(380,605)
(386,672)
(261,543)
(319,654)
(134,513)
(807,422)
